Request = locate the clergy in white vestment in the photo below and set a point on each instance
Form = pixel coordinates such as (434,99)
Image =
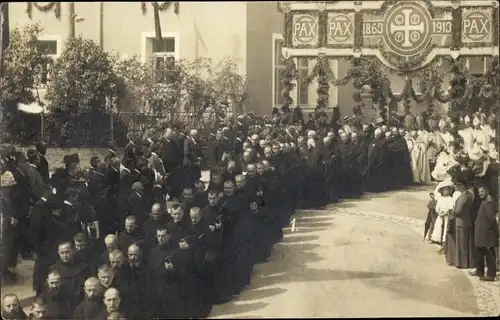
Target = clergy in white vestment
(491,121)
(421,166)
(487,129)
(480,137)
(446,136)
(444,162)
(467,134)
(415,150)
(425,137)
(436,145)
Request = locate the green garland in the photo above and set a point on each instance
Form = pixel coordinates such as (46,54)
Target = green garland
(390,3)
(56,6)
(359,104)
(324,75)
(403,65)
(288,76)
(161,7)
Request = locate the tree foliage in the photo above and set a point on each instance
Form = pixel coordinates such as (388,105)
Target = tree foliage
(180,91)
(83,76)
(231,85)
(23,63)
(87,84)
(82,79)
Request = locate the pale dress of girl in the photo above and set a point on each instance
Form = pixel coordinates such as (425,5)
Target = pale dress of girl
(444,205)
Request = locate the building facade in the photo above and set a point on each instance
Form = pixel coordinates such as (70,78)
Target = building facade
(242,31)
(250,33)
(398,34)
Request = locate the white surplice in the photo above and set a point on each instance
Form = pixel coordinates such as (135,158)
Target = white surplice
(482,139)
(448,140)
(468,135)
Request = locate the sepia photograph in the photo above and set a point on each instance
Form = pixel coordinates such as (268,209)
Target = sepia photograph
(249,159)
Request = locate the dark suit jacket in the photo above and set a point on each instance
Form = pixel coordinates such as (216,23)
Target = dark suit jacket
(486,227)
(36,184)
(43,168)
(238,146)
(137,207)
(463,207)
(192,150)
(170,155)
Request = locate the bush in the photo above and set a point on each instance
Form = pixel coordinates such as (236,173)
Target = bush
(23,63)
(83,79)
(180,91)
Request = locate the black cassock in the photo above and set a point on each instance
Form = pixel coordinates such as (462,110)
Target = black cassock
(313,186)
(192,151)
(88,309)
(140,295)
(44,233)
(376,167)
(73,276)
(227,272)
(399,163)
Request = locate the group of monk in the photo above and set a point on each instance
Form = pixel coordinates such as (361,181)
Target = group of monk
(142,236)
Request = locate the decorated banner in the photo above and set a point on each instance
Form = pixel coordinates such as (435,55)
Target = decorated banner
(305,30)
(404,35)
(340,29)
(477,26)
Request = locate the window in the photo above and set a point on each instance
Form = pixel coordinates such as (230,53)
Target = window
(278,68)
(476,65)
(163,52)
(303,89)
(50,47)
(160,50)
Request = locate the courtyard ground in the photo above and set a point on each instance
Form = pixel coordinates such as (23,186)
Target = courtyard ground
(357,258)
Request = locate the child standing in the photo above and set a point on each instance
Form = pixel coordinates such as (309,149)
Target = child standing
(444,207)
(431,217)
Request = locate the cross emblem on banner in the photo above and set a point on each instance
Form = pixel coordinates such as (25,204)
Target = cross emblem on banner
(406,27)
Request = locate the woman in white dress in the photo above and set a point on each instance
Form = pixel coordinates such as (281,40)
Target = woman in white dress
(444,207)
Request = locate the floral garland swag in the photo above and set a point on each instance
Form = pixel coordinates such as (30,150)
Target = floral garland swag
(56,6)
(324,75)
(161,7)
(288,76)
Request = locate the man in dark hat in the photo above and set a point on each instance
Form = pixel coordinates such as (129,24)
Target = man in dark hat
(29,169)
(376,168)
(43,165)
(43,233)
(486,236)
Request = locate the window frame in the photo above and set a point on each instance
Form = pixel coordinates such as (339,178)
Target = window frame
(485,63)
(299,83)
(54,57)
(145,36)
(276,71)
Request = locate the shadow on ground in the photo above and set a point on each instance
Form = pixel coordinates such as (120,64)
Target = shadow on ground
(260,294)
(292,239)
(234,308)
